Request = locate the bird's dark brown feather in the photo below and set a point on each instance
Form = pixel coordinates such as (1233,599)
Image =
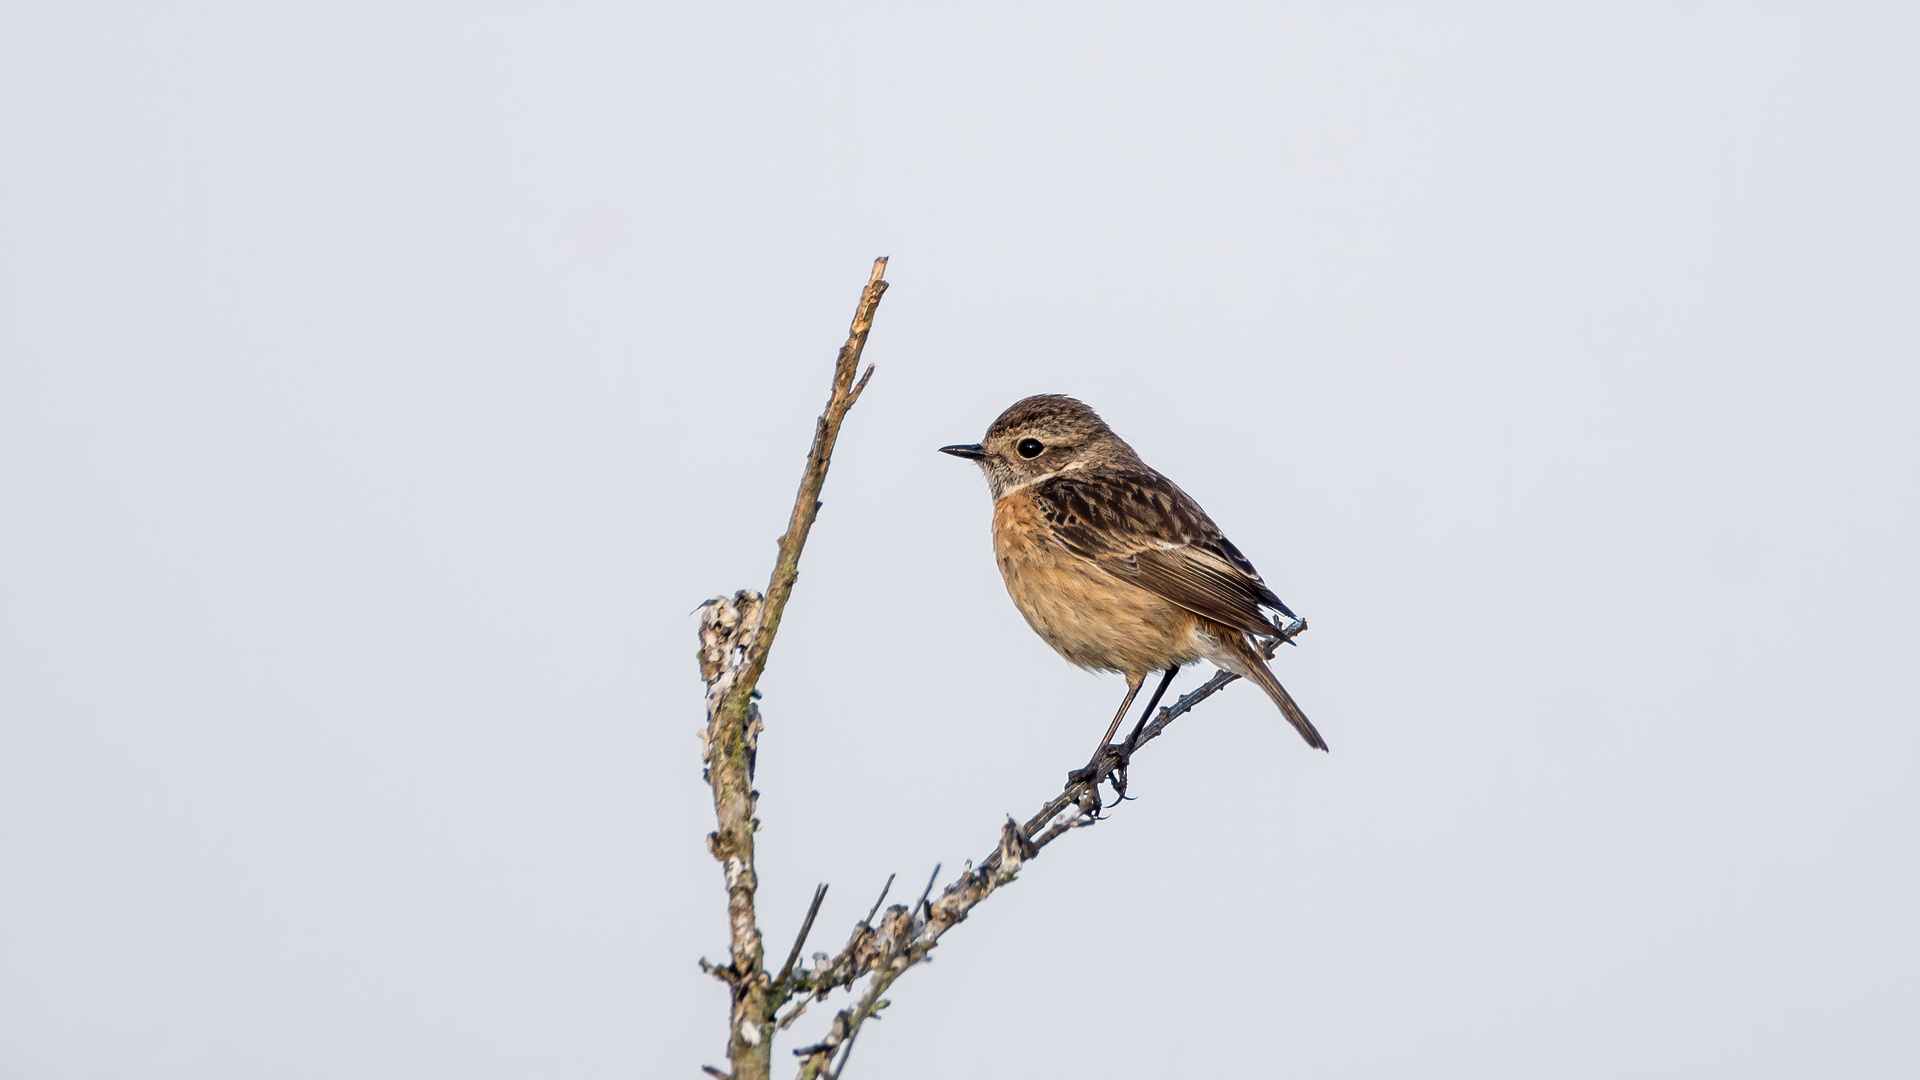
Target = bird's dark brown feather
(1141,528)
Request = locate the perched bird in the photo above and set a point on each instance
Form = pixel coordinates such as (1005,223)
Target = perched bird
(1116,567)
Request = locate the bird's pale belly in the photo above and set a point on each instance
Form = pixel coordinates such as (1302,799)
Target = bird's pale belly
(1089,616)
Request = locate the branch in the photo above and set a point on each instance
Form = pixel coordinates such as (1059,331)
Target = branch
(806,504)
(736,635)
(806,927)
(906,936)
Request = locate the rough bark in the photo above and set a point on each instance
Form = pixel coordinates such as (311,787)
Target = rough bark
(736,634)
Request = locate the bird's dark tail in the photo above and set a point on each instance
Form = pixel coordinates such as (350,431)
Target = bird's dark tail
(1258,673)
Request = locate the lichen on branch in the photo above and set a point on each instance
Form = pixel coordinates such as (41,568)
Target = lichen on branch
(736,635)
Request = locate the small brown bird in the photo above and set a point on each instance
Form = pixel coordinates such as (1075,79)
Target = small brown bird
(1116,567)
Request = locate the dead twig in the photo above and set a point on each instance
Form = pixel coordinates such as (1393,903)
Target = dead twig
(881,899)
(736,635)
(928,891)
(786,969)
(906,936)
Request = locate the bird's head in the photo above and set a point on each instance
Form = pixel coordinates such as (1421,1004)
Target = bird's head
(1040,437)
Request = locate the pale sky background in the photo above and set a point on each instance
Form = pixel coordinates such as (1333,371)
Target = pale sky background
(381,390)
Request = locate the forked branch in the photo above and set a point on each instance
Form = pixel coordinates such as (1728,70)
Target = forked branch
(736,634)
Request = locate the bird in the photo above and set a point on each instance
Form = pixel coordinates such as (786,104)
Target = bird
(1116,567)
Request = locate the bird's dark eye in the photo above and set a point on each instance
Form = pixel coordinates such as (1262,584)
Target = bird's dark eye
(1030,448)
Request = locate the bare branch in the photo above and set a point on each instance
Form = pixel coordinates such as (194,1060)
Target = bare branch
(1169,713)
(786,969)
(881,899)
(905,939)
(928,891)
(806,503)
(736,635)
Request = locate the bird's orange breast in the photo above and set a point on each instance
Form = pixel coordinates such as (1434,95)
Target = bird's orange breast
(1088,615)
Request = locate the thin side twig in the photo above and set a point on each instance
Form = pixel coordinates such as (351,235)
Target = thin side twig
(881,899)
(786,969)
(928,891)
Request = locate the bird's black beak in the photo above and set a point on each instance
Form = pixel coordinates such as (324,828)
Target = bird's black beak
(970,451)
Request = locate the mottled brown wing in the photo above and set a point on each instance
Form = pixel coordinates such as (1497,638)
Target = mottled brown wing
(1144,530)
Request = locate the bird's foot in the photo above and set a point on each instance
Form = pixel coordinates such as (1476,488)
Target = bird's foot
(1109,757)
(1109,765)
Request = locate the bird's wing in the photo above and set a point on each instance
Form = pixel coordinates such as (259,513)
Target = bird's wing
(1144,530)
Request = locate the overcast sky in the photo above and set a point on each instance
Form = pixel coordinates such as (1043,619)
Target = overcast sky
(382,389)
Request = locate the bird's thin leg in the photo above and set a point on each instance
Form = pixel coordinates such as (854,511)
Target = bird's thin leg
(1133,740)
(1100,752)
(1124,752)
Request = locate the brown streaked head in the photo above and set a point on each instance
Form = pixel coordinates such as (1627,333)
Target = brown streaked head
(1041,436)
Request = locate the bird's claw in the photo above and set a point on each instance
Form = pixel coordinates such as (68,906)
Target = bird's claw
(1109,765)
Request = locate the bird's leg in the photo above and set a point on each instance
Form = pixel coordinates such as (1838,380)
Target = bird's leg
(1101,752)
(1125,750)
(1133,740)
